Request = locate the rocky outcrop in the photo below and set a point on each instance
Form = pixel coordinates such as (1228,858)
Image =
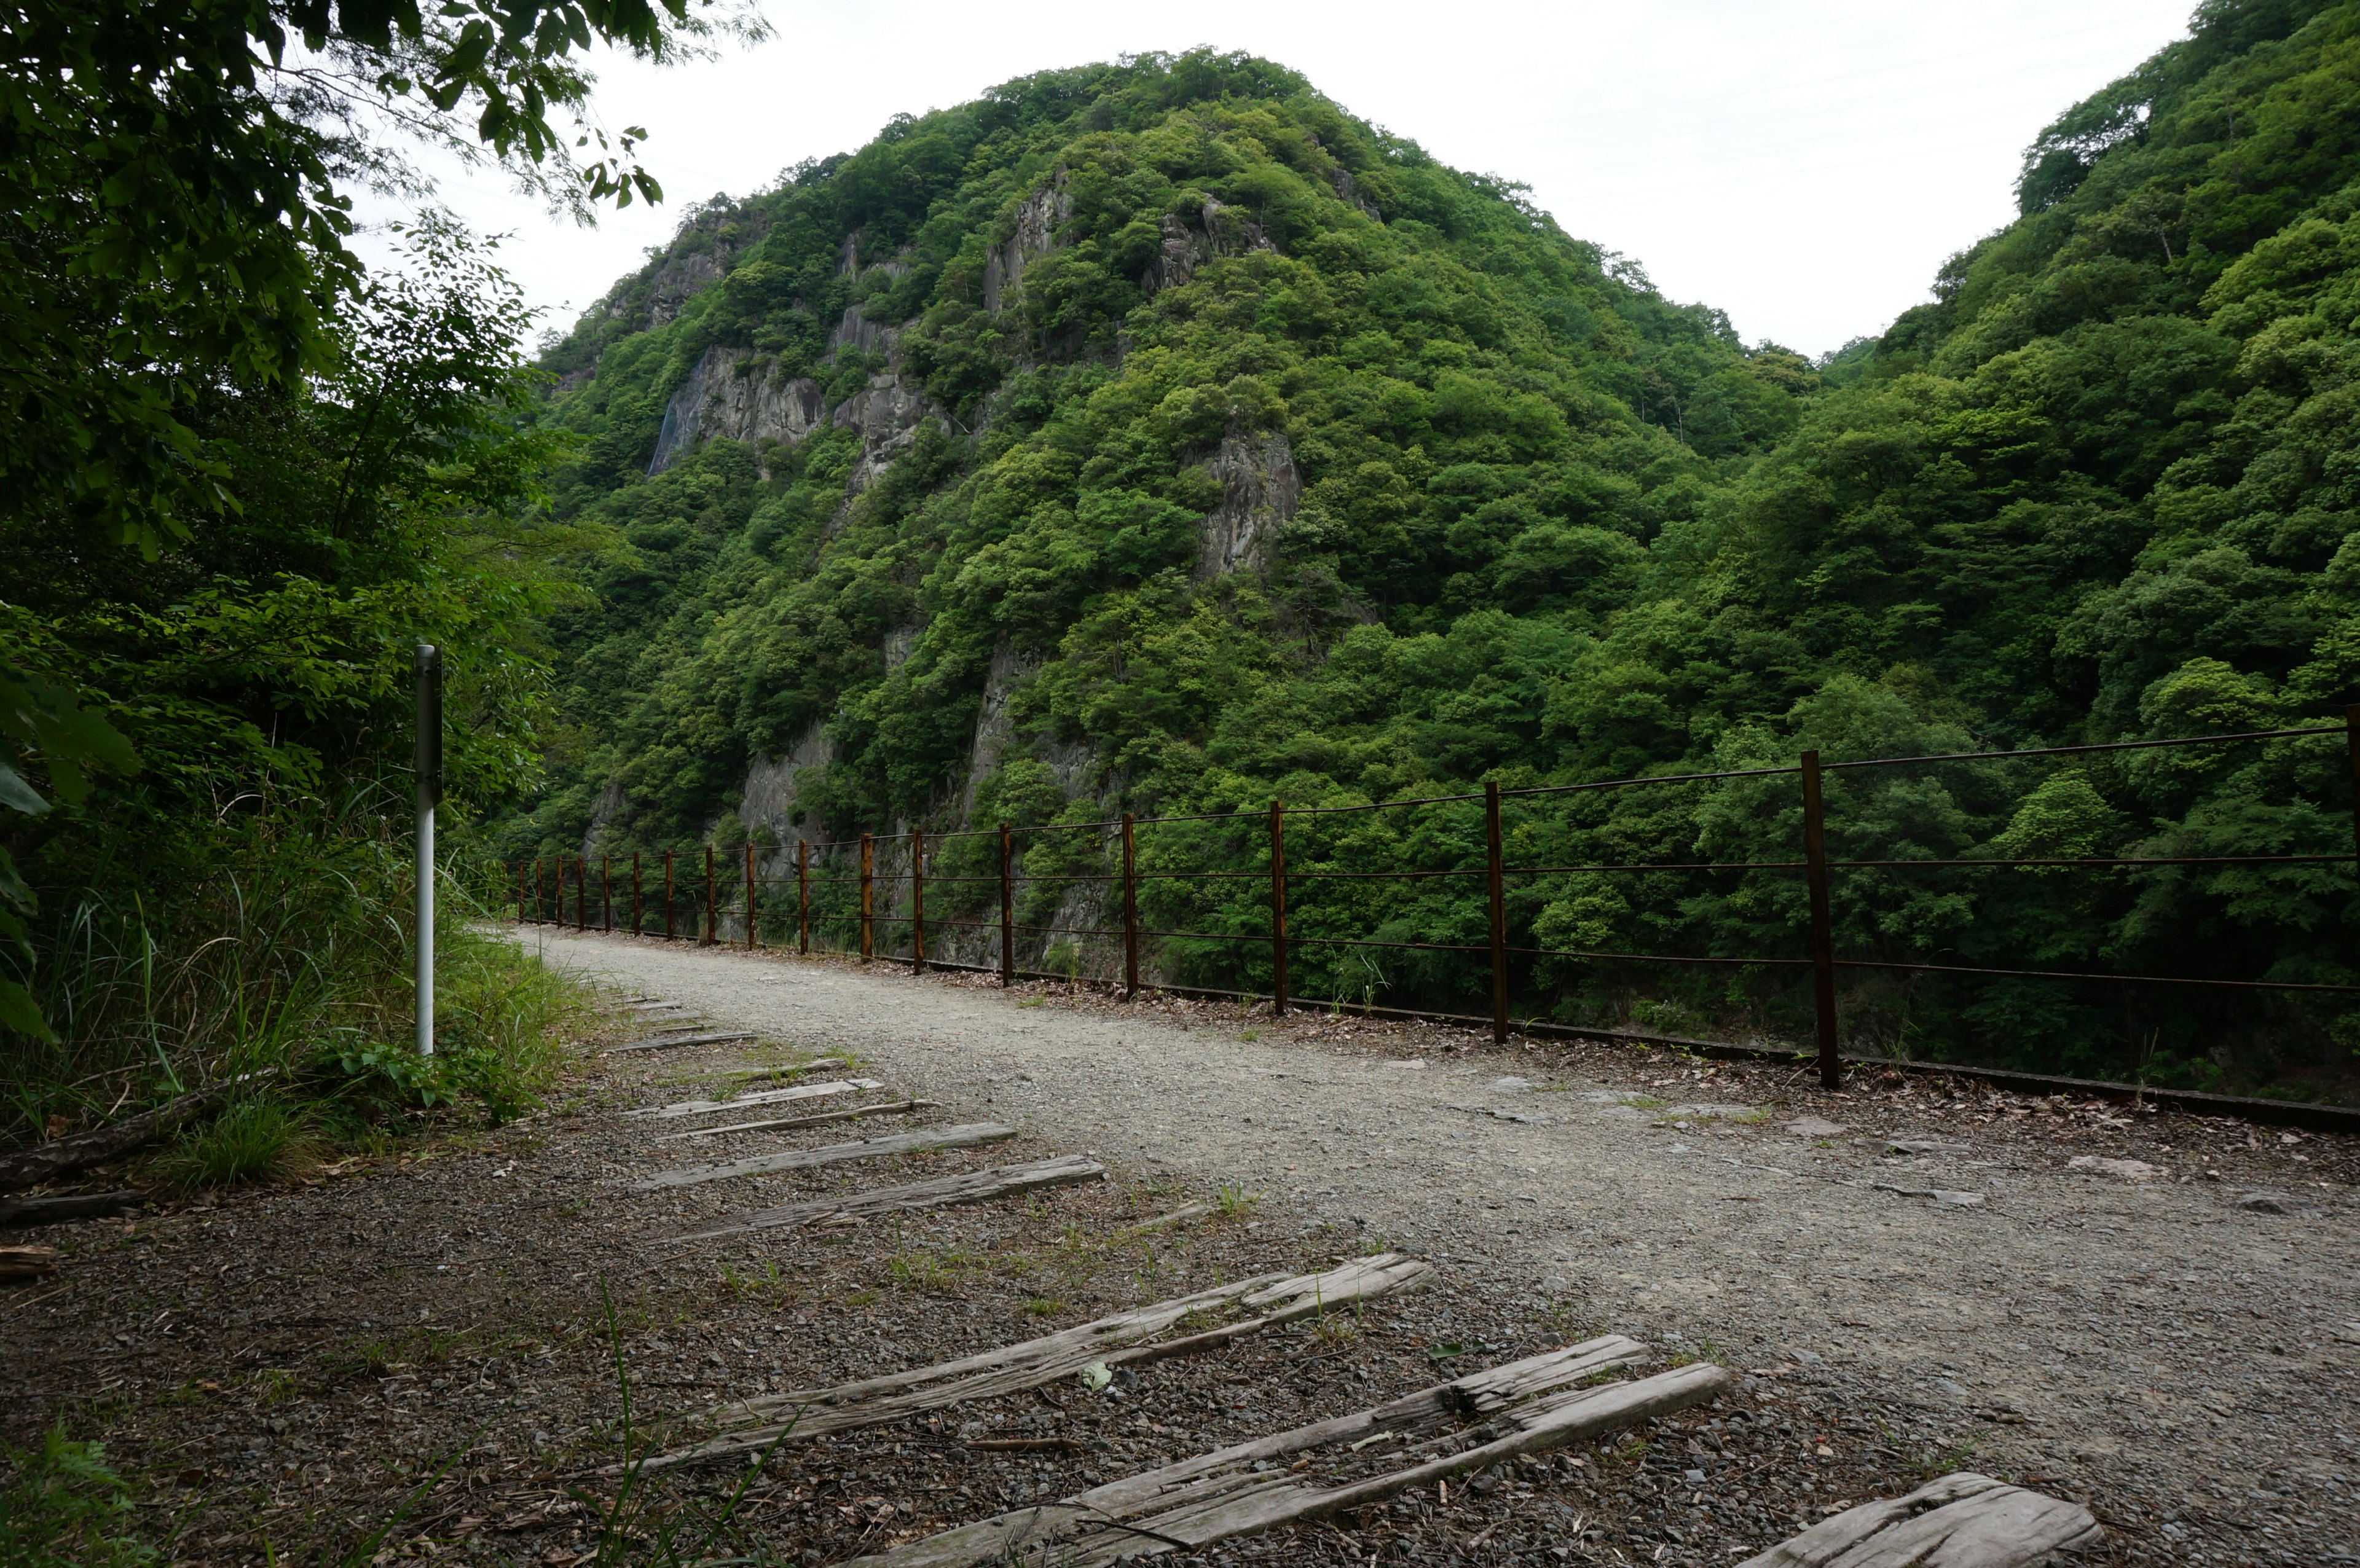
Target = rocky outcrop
(681,276)
(995,724)
(768,800)
(1183,247)
(1040,217)
(730,395)
(1260,490)
(611,804)
(855,331)
(1340,179)
(887,413)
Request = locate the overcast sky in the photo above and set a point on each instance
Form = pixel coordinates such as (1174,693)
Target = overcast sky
(1805,165)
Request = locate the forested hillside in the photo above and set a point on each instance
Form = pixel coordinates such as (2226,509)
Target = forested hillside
(1158,436)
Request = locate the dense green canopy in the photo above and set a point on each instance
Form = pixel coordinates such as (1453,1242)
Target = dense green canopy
(1260,455)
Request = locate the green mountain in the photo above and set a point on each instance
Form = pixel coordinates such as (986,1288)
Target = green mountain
(1158,436)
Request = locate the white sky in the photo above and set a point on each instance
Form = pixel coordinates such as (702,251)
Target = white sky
(1805,165)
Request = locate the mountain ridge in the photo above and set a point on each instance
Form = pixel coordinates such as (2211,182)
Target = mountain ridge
(1156,436)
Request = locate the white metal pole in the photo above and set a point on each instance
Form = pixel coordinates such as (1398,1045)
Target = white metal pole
(429,793)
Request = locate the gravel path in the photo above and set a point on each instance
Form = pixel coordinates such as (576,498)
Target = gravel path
(2141,1341)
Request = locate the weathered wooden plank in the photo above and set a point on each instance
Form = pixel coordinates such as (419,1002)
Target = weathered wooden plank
(890,1108)
(1178,1216)
(942,1191)
(28,1262)
(1219,1495)
(1124,1337)
(761,1098)
(967,1135)
(1964,1521)
(673,1042)
(742,1074)
(19,1212)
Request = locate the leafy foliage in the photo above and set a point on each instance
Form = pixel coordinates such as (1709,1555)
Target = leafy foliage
(1551,529)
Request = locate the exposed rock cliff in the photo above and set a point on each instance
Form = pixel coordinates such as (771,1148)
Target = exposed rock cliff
(1184,247)
(1260,489)
(769,799)
(730,394)
(1033,237)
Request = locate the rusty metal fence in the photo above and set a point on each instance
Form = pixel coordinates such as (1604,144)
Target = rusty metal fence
(854,908)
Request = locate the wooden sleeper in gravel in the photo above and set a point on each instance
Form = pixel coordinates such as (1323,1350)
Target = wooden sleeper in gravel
(942,1193)
(1127,1337)
(766,1097)
(775,1124)
(17,1212)
(1349,1462)
(672,1042)
(1959,1521)
(967,1136)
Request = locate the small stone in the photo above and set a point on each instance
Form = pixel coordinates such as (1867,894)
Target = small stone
(2274,1203)
(1955,1389)
(1958,1200)
(1555,1282)
(1694,1477)
(1813,1127)
(1923,1146)
(2125,1170)
(1509,1086)
(1806,1357)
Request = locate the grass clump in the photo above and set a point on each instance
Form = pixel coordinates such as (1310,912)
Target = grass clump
(62,1507)
(277,954)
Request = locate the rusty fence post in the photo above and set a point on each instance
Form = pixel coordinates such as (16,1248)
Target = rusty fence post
(516,885)
(1498,902)
(1007,908)
(1130,913)
(668,896)
(606,891)
(712,932)
(868,875)
(1823,938)
(536,888)
(582,892)
(1277,908)
(802,896)
(917,900)
(635,892)
(749,895)
(2351,744)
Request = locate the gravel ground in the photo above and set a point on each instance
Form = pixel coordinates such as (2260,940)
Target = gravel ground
(275,1371)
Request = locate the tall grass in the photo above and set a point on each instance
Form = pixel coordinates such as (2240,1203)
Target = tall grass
(270,946)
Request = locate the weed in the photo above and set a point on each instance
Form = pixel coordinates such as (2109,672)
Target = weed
(1045,1307)
(61,1506)
(1249,1036)
(1934,1464)
(1232,1202)
(862,1298)
(649,1531)
(273,1385)
(253,1140)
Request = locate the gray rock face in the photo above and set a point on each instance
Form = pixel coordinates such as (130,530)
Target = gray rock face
(1260,489)
(1184,247)
(1034,236)
(769,799)
(730,394)
(995,725)
(886,412)
(1346,191)
(680,277)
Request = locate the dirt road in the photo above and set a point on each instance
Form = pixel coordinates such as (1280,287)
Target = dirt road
(2131,1336)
